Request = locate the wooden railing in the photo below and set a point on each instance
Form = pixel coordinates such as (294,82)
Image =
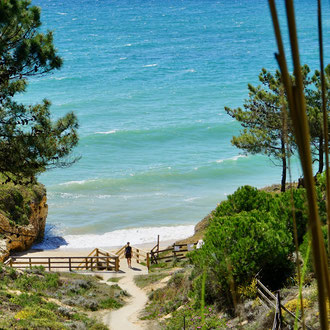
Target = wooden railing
(100,259)
(274,302)
(138,254)
(174,252)
(97,260)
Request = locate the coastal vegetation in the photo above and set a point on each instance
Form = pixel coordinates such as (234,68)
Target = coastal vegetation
(35,299)
(30,140)
(267,128)
(15,201)
(249,236)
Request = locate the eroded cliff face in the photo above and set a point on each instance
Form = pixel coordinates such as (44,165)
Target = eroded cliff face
(16,237)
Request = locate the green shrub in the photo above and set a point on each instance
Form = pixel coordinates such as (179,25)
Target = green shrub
(303,248)
(281,207)
(25,299)
(248,198)
(240,246)
(245,198)
(110,303)
(193,320)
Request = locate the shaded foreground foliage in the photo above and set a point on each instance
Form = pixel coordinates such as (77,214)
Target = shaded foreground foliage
(251,234)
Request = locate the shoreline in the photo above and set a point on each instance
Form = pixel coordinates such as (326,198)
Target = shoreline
(143,236)
(78,252)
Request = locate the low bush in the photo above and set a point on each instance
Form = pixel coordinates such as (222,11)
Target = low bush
(304,247)
(238,247)
(247,198)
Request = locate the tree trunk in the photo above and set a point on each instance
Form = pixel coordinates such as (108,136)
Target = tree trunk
(321,155)
(284,166)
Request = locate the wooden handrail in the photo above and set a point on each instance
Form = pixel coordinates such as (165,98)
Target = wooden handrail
(105,255)
(274,304)
(120,251)
(64,262)
(177,254)
(88,256)
(7,261)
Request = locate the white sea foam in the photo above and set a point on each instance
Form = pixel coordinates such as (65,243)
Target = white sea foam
(71,196)
(115,238)
(232,158)
(103,196)
(191,199)
(62,13)
(113,131)
(76,182)
(58,78)
(150,65)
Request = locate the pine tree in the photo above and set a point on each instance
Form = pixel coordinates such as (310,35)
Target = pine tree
(266,126)
(315,115)
(30,142)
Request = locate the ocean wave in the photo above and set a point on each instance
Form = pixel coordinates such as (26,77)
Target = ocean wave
(175,175)
(156,134)
(231,158)
(150,65)
(81,182)
(113,131)
(114,238)
(58,78)
(191,199)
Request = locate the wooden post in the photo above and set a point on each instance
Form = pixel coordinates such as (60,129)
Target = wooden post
(117,264)
(108,261)
(11,262)
(86,263)
(48,263)
(157,246)
(279,309)
(137,256)
(69,264)
(97,259)
(148,261)
(30,263)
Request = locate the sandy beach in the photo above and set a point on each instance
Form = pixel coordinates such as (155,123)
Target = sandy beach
(63,252)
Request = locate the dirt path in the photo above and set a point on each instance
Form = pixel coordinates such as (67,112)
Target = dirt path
(127,317)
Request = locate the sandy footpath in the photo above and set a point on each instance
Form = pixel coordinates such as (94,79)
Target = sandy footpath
(126,317)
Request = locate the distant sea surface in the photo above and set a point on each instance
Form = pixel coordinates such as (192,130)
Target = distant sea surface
(148,81)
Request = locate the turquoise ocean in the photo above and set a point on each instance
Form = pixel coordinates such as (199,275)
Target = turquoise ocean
(148,80)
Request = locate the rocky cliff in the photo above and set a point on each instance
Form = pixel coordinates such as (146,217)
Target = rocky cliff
(23,213)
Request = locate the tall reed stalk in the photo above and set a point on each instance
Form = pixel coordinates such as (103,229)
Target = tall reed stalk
(297,106)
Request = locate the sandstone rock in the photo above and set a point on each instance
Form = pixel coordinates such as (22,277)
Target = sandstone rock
(16,237)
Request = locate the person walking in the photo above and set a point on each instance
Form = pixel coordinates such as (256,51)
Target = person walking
(128,255)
